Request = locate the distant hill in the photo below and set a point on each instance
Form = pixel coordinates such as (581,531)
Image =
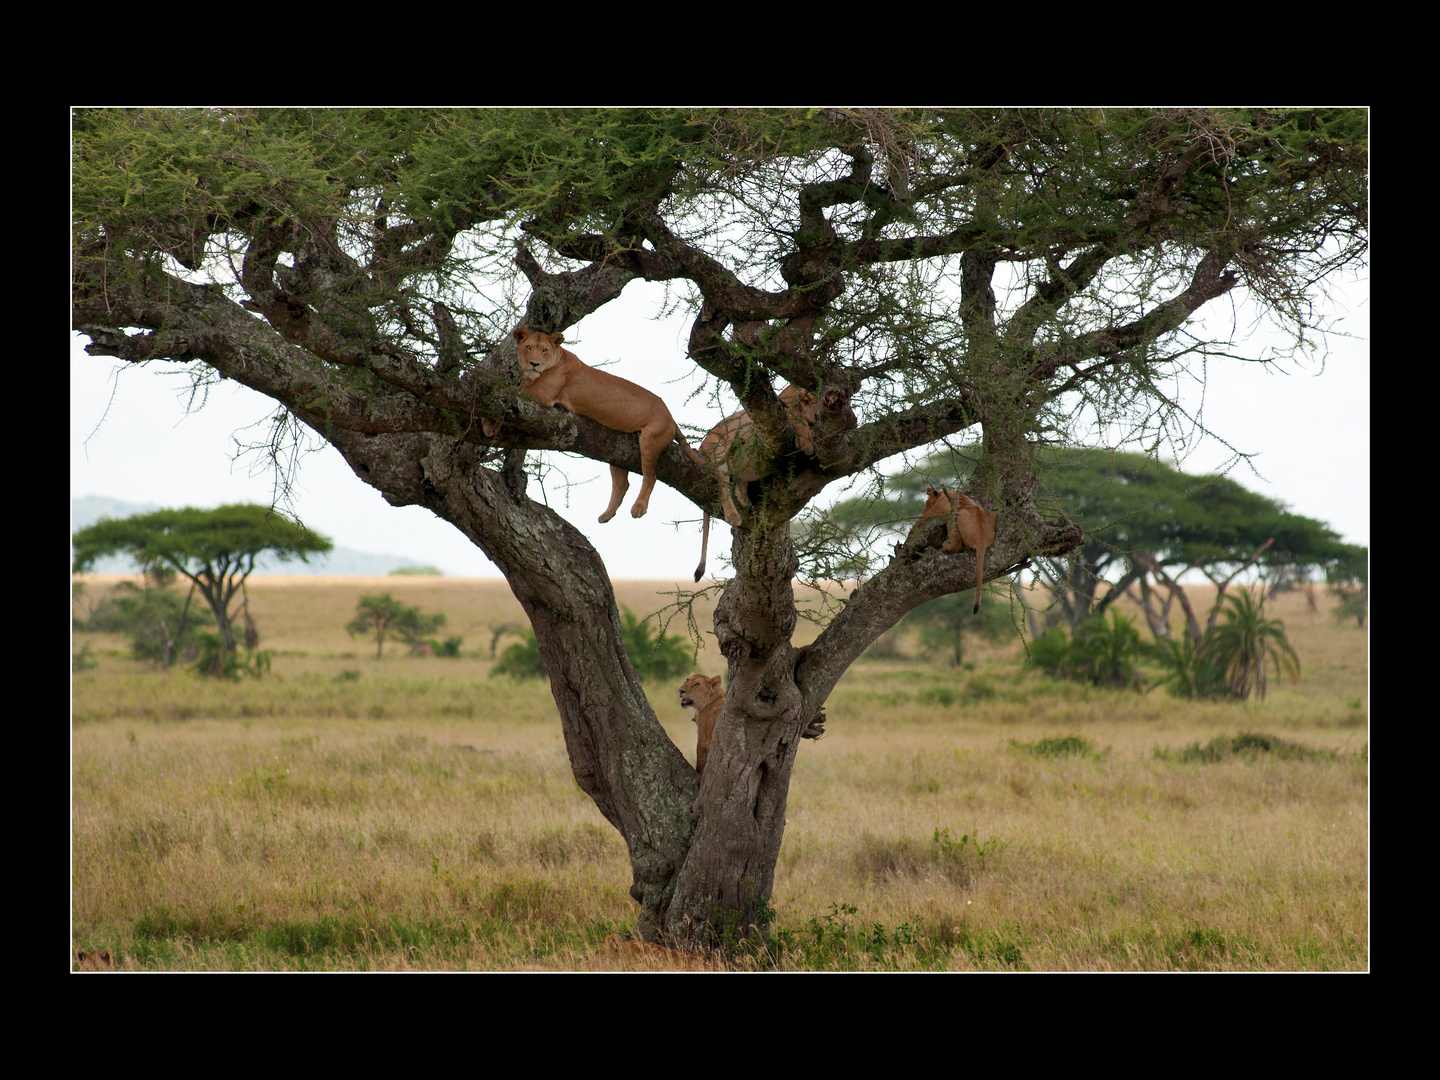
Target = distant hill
(341,562)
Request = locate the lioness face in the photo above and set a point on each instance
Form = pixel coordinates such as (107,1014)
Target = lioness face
(698,691)
(802,404)
(94,960)
(537,352)
(936,502)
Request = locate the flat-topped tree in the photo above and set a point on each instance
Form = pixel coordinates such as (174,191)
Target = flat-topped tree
(922,273)
(215,549)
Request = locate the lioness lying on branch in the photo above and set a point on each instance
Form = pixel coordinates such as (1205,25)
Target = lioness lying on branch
(556,376)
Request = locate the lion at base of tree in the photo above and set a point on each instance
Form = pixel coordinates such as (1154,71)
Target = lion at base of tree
(706,695)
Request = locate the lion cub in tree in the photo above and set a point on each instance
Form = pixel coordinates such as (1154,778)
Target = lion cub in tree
(974,527)
(738,455)
(706,696)
(556,376)
(937,501)
(971,526)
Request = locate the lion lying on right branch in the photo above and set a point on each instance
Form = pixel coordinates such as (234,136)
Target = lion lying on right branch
(970,526)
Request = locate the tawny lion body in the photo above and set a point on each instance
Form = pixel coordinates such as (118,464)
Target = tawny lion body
(738,455)
(706,696)
(974,527)
(556,376)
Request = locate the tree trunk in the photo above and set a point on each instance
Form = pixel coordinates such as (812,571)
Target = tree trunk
(724,885)
(619,753)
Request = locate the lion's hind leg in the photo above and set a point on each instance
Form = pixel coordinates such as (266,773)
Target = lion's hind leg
(653,439)
(728,493)
(619,484)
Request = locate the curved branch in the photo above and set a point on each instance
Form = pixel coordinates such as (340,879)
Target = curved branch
(918,572)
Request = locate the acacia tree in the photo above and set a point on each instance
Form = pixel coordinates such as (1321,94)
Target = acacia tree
(924,273)
(383,615)
(216,549)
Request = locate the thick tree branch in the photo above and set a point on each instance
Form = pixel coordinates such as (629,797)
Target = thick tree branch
(1210,280)
(919,571)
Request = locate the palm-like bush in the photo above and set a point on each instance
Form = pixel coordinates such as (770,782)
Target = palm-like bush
(654,656)
(1245,642)
(1048,652)
(1190,670)
(521,660)
(1103,652)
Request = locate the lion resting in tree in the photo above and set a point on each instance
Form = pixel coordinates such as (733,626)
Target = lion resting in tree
(706,696)
(556,376)
(738,455)
(971,526)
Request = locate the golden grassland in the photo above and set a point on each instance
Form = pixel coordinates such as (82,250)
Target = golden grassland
(350,813)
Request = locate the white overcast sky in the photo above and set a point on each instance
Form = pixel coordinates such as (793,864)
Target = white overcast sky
(132,440)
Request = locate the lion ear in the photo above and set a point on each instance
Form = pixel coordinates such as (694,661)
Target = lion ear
(519,333)
(557,339)
(715,681)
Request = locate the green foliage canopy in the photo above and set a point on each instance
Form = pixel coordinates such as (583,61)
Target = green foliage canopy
(194,542)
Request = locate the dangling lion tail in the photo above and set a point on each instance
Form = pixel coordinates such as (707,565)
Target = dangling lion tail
(704,544)
(979,577)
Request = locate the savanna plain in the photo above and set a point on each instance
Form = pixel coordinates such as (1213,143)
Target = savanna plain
(349,812)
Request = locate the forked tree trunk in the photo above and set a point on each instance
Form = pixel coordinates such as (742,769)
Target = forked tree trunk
(702,854)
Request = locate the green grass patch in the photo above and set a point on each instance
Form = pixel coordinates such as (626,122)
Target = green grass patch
(1059,746)
(1248,747)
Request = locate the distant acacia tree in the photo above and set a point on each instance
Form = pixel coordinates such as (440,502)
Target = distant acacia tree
(1146,523)
(1349,582)
(1014,273)
(383,616)
(215,549)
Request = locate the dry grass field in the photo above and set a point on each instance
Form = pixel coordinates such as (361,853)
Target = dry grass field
(349,813)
